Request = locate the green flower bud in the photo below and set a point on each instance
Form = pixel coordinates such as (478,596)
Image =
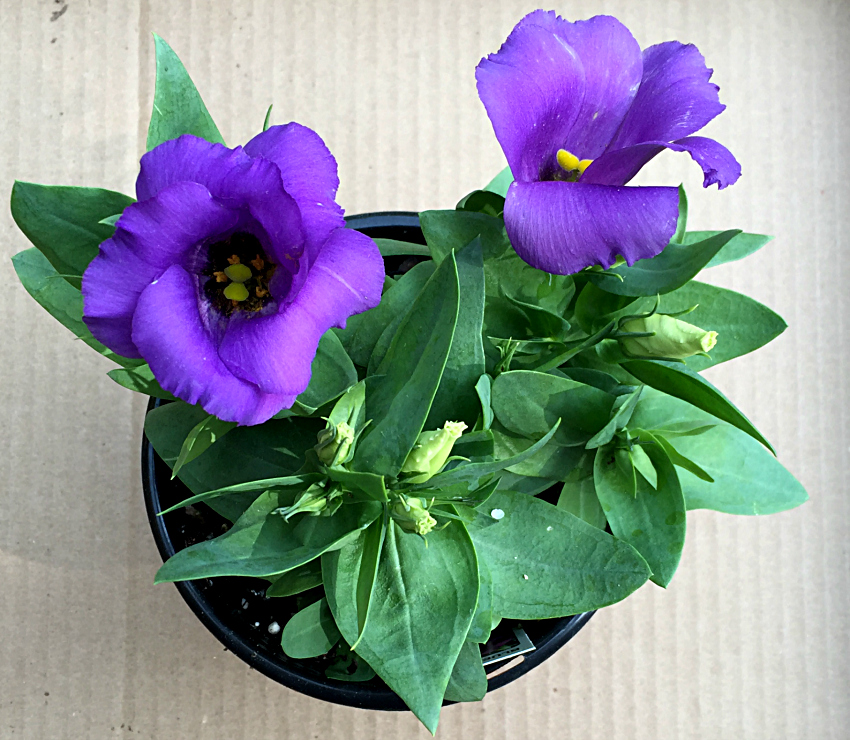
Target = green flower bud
(431,451)
(313,501)
(671,338)
(335,442)
(412,516)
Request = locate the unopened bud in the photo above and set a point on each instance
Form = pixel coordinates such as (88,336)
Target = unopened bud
(431,451)
(412,516)
(313,501)
(335,443)
(671,338)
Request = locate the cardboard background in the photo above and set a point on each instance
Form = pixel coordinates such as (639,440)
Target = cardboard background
(752,639)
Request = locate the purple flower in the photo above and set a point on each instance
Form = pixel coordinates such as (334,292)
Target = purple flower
(578,110)
(229,268)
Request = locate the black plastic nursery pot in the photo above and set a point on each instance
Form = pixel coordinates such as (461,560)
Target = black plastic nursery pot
(248,623)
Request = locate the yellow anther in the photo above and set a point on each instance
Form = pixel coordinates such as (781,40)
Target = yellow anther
(238,273)
(220,277)
(567,160)
(583,165)
(233,259)
(236,292)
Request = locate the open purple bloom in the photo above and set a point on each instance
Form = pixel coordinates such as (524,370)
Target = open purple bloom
(229,268)
(578,110)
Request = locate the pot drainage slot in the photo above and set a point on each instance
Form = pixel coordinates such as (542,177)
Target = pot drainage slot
(520,645)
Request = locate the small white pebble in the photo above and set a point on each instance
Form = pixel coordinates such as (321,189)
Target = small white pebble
(526,577)
(256,624)
(497,514)
(548,529)
(245,603)
(274,628)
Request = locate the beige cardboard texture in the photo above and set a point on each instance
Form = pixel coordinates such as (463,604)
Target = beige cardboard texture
(752,639)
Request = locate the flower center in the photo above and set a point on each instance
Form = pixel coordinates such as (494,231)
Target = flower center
(238,273)
(573,167)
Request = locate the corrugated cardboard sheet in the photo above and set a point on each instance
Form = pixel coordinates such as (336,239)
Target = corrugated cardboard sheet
(752,638)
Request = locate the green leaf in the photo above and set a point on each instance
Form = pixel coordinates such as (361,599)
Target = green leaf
(291,483)
(474,444)
(399,402)
(268,117)
(529,403)
(367,571)
(422,607)
(653,521)
(261,543)
(737,248)
(501,182)
(447,231)
(111,220)
(678,380)
(747,478)
(332,374)
(395,248)
(643,464)
(482,620)
(64,222)
(297,581)
(202,436)
(482,388)
(60,299)
(311,632)
(578,497)
(547,563)
(177,105)
(483,201)
(596,308)
(552,461)
(679,460)
(742,324)
(370,484)
(141,380)
(247,454)
(360,339)
(622,411)
(456,399)
(665,272)
(468,681)
(682,221)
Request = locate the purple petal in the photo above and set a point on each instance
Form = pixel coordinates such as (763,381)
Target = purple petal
(718,163)
(612,63)
(168,331)
(253,185)
(533,90)
(276,352)
(149,237)
(563,227)
(187,159)
(309,174)
(112,284)
(618,167)
(675,97)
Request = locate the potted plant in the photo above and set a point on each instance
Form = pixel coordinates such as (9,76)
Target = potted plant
(379,443)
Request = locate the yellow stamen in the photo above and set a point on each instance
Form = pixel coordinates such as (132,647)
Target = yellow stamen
(220,277)
(236,292)
(233,259)
(238,273)
(261,292)
(567,160)
(258,263)
(583,165)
